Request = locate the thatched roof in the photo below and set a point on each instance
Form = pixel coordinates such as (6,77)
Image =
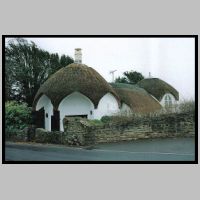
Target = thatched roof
(158,88)
(136,98)
(75,77)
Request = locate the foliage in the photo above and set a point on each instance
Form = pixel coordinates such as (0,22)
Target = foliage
(131,77)
(121,80)
(27,67)
(118,120)
(187,106)
(44,136)
(17,116)
(96,122)
(106,119)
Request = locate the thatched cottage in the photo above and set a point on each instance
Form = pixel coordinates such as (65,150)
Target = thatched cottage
(79,90)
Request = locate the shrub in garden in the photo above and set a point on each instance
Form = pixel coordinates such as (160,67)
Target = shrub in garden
(187,106)
(117,120)
(17,117)
(106,119)
(96,122)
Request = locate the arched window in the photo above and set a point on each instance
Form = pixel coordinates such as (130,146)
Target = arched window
(168,100)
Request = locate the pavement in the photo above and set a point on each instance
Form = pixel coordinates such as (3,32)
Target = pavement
(168,149)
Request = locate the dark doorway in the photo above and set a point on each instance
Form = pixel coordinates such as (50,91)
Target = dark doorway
(55,121)
(83,116)
(38,118)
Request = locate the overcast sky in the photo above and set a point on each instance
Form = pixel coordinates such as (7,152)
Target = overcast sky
(170,59)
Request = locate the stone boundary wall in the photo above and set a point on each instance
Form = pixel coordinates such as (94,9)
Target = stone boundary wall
(78,131)
(168,125)
(176,125)
(81,132)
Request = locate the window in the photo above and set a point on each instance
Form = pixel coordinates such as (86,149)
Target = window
(168,100)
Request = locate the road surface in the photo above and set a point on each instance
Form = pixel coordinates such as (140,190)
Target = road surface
(171,149)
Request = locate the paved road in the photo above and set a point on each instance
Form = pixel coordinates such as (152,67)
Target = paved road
(179,149)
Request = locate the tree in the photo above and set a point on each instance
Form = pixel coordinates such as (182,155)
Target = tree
(27,67)
(131,77)
(8,81)
(65,60)
(57,62)
(121,80)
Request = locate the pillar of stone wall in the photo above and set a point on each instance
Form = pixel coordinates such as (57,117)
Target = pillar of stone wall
(78,131)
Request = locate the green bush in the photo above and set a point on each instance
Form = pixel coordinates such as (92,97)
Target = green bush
(106,119)
(117,119)
(17,117)
(96,122)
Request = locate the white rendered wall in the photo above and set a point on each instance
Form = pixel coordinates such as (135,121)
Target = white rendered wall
(45,102)
(75,104)
(162,102)
(125,109)
(108,105)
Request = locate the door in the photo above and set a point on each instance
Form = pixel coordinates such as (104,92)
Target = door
(38,118)
(55,121)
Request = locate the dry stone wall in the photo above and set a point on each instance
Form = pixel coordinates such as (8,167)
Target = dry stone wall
(81,132)
(171,125)
(78,131)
